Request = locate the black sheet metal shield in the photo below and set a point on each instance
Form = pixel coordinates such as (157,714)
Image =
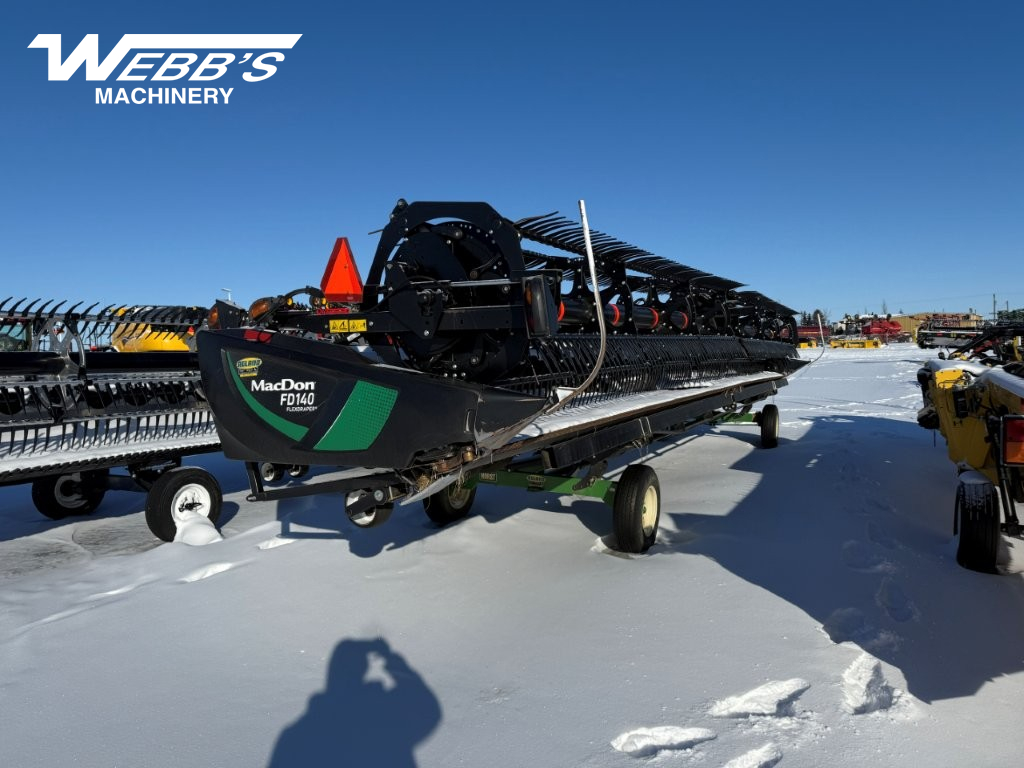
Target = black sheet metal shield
(291,400)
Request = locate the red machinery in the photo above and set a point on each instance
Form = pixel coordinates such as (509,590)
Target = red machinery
(883,329)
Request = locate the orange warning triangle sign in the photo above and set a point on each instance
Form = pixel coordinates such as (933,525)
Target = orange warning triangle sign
(341,281)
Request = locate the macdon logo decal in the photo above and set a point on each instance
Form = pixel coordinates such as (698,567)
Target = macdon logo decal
(180,62)
(296,396)
(248,367)
(284,385)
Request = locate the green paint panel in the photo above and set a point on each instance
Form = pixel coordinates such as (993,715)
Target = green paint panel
(288,428)
(361,419)
(600,488)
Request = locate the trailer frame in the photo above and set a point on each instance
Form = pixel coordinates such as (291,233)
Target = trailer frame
(567,460)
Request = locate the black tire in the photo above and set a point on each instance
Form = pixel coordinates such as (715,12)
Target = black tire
(271,472)
(178,493)
(636,509)
(769,421)
(977,512)
(372,517)
(449,504)
(78,493)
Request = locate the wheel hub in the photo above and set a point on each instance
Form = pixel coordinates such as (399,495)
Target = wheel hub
(649,515)
(68,493)
(189,501)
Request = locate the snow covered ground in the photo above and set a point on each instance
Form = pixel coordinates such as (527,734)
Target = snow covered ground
(802,606)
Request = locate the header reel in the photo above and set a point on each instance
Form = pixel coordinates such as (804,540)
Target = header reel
(452,292)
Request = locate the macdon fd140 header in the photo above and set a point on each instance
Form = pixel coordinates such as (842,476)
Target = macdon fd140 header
(462,337)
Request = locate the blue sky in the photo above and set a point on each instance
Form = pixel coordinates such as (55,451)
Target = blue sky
(829,154)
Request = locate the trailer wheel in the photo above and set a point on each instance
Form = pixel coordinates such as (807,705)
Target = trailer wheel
(636,509)
(449,504)
(372,517)
(769,421)
(178,494)
(271,472)
(977,516)
(77,493)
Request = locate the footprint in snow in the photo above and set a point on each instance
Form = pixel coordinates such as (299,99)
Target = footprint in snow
(894,601)
(850,474)
(645,742)
(774,699)
(878,535)
(206,572)
(763,757)
(860,556)
(879,505)
(849,625)
(856,509)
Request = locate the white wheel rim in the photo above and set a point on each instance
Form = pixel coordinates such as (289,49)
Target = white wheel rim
(365,518)
(191,499)
(458,497)
(649,512)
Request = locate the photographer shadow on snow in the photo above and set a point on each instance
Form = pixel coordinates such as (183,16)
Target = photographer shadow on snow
(852,523)
(374,710)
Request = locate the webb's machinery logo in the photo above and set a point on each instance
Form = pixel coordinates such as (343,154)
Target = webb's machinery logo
(166,58)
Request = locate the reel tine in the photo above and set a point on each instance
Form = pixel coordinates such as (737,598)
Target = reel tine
(17,308)
(164,315)
(107,312)
(55,308)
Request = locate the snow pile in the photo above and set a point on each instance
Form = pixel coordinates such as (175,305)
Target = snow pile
(763,757)
(865,688)
(644,742)
(196,530)
(771,699)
